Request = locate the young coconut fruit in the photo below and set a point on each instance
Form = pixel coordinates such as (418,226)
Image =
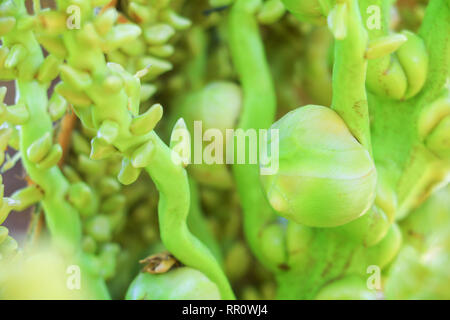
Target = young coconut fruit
(326,178)
(178,284)
(217,106)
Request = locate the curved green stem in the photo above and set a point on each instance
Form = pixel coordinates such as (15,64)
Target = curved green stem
(258,113)
(197,224)
(62,219)
(172,183)
(349,75)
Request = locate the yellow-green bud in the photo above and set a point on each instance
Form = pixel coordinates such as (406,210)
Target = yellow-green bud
(325,177)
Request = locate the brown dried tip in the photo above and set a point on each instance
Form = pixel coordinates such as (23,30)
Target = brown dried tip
(159,263)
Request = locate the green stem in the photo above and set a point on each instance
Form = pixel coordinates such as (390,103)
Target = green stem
(197,224)
(259,107)
(435,32)
(349,75)
(172,182)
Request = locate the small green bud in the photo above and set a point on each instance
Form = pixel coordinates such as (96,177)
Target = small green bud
(57,106)
(271,11)
(113,203)
(100,149)
(156,66)
(17,114)
(128,174)
(71,174)
(368,229)
(142,157)
(162,51)
(135,48)
(158,34)
(80,195)
(26,197)
(112,84)
(39,148)
(76,78)
(6,207)
(80,144)
(99,228)
(432,114)
(142,13)
(89,245)
(175,20)
(52,44)
(17,53)
(237,261)
(108,258)
(117,57)
(49,69)
(147,121)
(413,57)
(52,158)
(8,247)
(385,251)
(273,244)
(386,45)
(88,36)
(108,131)
(90,167)
(104,22)
(250,293)
(121,35)
(108,185)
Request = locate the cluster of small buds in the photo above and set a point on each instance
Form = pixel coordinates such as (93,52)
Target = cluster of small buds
(87,81)
(96,194)
(154,47)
